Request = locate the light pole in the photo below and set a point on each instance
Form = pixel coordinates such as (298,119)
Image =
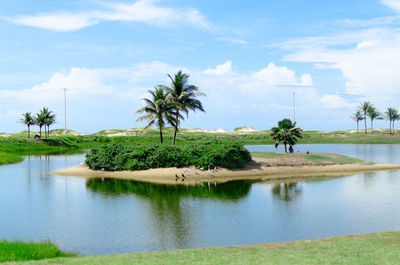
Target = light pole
(65,110)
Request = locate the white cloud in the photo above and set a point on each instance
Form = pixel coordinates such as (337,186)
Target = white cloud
(275,75)
(232,40)
(394,4)
(58,22)
(368,59)
(144,11)
(367,43)
(221,69)
(336,102)
(306,80)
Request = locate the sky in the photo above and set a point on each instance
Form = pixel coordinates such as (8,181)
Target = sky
(248,57)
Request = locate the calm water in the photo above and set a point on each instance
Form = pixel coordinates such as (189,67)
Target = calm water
(113,216)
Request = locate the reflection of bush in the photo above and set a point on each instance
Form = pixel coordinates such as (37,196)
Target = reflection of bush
(209,153)
(286,191)
(232,190)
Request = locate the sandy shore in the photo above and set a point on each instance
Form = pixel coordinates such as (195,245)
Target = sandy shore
(252,171)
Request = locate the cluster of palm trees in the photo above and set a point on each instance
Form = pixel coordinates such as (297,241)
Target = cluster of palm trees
(367,109)
(167,104)
(286,133)
(45,118)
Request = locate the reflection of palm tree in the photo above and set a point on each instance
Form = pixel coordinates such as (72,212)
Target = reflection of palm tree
(165,201)
(232,190)
(286,191)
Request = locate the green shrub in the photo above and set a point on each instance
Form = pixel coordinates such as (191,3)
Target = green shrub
(210,153)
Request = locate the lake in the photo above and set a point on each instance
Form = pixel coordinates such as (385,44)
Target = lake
(114,216)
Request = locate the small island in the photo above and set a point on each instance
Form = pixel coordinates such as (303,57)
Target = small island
(216,160)
(263,166)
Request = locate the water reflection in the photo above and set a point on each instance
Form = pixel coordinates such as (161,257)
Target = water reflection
(232,190)
(286,191)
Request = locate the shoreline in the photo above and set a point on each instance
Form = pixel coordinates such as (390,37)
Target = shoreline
(252,171)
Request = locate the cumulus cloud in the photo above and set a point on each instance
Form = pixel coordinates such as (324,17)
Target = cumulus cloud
(367,59)
(336,102)
(221,69)
(394,4)
(144,11)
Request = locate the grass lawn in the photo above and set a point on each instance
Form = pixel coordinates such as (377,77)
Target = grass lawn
(379,248)
(6,158)
(22,251)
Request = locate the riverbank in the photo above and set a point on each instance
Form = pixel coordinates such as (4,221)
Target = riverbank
(265,166)
(378,248)
(7,158)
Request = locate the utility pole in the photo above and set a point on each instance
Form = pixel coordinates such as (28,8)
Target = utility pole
(65,110)
(294,106)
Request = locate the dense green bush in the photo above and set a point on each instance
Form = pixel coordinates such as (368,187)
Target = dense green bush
(210,153)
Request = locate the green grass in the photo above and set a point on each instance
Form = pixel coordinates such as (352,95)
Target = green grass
(380,248)
(22,251)
(7,158)
(18,144)
(267,154)
(342,160)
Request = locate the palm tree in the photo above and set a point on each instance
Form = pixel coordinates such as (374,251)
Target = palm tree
(287,133)
(373,114)
(40,120)
(159,110)
(28,120)
(357,117)
(396,117)
(49,120)
(184,96)
(364,109)
(391,114)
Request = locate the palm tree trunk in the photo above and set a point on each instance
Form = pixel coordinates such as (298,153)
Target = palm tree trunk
(357,127)
(40,132)
(390,126)
(161,138)
(394,132)
(176,128)
(28,131)
(365,122)
(285,147)
(372,126)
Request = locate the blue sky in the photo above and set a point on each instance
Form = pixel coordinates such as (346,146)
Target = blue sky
(248,57)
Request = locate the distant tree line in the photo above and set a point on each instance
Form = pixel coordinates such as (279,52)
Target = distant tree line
(368,110)
(45,118)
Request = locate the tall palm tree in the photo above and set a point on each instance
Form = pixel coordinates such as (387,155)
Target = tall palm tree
(364,109)
(287,133)
(184,96)
(391,114)
(396,117)
(373,114)
(28,120)
(50,120)
(357,117)
(159,110)
(40,120)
